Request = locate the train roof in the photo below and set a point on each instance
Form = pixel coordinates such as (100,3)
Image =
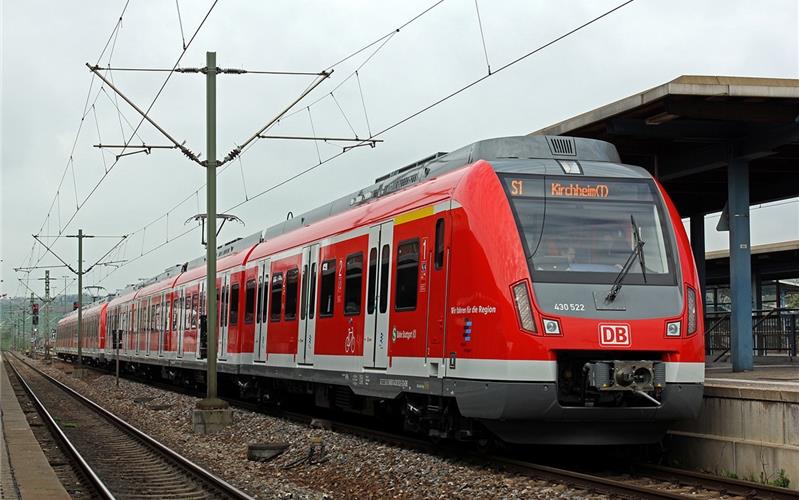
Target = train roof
(230,255)
(501,148)
(497,150)
(123,297)
(436,190)
(87,309)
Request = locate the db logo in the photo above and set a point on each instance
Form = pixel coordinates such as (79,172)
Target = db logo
(614,335)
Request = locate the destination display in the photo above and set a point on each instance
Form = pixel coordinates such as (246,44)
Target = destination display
(571,188)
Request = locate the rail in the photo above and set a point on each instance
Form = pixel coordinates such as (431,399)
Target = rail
(203,474)
(102,490)
(591,482)
(733,487)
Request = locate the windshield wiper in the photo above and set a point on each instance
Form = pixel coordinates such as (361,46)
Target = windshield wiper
(638,251)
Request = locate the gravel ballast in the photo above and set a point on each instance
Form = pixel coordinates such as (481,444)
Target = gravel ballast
(354,467)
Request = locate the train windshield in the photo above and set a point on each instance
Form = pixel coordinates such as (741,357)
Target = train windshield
(579,230)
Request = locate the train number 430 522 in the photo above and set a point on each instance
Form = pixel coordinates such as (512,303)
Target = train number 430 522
(563,306)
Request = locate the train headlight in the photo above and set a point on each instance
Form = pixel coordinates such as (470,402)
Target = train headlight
(673,329)
(692,319)
(523,306)
(551,327)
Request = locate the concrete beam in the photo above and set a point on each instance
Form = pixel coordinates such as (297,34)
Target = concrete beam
(689,161)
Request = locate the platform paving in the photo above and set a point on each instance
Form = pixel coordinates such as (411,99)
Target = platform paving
(25,473)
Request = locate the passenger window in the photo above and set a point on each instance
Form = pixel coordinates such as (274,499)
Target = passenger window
(327,288)
(260,305)
(353,282)
(195,310)
(385,254)
(292,277)
(165,314)
(249,302)
(189,310)
(370,296)
(405,289)
(227,305)
(304,296)
(223,307)
(277,295)
(312,298)
(262,302)
(175,309)
(182,312)
(234,304)
(439,257)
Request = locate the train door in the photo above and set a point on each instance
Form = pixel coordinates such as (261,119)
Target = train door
(181,321)
(131,325)
(305,338)
(438,264)
(140,324)
(150,324)
(163,324)
(261,323)
(224,317)
(201,341)
(378,279)
(122,328)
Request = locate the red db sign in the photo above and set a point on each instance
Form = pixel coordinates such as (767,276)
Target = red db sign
(614,335)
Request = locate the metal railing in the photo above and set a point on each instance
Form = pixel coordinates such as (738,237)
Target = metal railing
(774,332)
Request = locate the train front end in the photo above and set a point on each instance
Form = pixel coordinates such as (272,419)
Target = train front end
(608,296)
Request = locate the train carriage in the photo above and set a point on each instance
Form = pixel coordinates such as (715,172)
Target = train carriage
(533,287)
(93,332)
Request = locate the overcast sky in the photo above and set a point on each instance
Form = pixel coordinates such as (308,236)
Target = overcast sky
(45,85)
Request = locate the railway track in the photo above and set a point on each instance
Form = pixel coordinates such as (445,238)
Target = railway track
(119,460)
(644,481)
(729,486)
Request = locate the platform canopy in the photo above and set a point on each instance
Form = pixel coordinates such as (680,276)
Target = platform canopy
(716,143)
(685,132)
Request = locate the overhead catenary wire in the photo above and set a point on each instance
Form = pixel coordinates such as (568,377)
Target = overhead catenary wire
(443,99)
(243,182)
(99,137)
(111,38)
(79,205)
(313,131)
(235,71)
(389,34)
(348,77)
(363,103)
(426,108)
(115,103)
(244,148)
(482,35)
(180,23)
(338,105)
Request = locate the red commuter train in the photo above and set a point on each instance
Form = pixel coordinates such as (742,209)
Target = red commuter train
(531,287)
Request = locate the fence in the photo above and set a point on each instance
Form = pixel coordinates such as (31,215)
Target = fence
(774,332)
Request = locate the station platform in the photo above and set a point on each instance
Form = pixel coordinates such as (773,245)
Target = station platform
(748,426)
(25,472)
